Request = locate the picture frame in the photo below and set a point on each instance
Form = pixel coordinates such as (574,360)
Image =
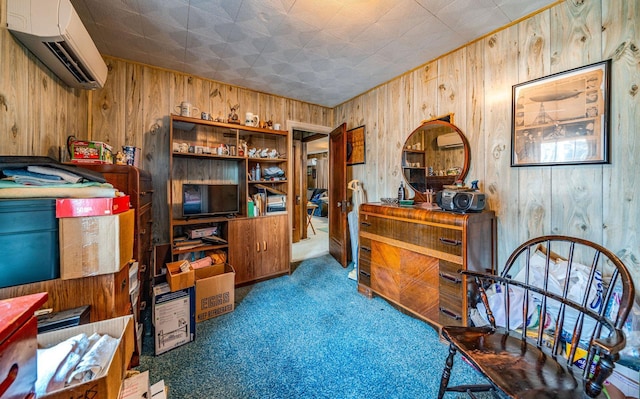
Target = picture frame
(356,146)
(562,119)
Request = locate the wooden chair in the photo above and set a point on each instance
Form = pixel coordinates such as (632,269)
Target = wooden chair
(567,326)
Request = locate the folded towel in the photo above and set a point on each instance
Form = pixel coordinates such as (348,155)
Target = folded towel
(63,174)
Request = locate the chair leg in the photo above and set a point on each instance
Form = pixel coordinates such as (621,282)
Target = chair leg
(446,373)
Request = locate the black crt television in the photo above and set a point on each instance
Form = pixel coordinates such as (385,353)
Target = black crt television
(199,200)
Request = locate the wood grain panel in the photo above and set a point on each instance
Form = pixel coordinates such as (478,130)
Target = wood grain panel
(501,54)
(621,39)
(107,299)
(534,48)
(133,109)
(452,85)
(576,203)
(419,284)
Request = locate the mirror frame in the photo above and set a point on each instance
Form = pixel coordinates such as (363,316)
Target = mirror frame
(443,180)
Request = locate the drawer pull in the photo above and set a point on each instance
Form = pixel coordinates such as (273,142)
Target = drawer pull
(366,249)
(146,192)
(450,314)
(363,273)
(449,241)
(365,224)
(143,231)
(143,268)
(451,278)
(11,377)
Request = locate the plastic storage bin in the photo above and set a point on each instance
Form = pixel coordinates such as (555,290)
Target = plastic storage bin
(29,241)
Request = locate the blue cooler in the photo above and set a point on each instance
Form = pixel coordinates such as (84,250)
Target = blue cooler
(29,241)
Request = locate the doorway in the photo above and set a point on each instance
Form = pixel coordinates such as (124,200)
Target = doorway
(309,219)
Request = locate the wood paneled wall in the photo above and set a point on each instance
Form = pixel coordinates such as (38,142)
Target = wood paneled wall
(596,202)
(133,109)
(38,111)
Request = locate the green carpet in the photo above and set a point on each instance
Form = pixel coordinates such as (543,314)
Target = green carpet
(307,335)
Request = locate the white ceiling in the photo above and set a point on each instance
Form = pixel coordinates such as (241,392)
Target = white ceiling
(319,51)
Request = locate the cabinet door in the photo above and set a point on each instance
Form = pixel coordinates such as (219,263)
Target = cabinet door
(244,251)
(271,233)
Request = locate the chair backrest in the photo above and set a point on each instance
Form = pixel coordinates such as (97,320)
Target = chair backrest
(565,294)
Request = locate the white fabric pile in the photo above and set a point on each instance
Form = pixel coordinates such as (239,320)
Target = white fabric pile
(73,361)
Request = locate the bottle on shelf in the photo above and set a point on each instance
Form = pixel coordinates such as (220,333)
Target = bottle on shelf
(258,171)
(401,192)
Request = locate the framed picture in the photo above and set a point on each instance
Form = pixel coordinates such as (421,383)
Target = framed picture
(355,146)
(563,118)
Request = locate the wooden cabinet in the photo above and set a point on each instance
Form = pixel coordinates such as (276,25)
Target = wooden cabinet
(411,257)
(217,156)
(257,249)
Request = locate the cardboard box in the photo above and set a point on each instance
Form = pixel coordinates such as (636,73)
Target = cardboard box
(78,207)
(91,152)
(95,245)
(215,291)
(107,385)
(177,279)
(173,317)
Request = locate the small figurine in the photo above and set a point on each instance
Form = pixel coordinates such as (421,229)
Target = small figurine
(252,153)
(474,185)
(233,116)
(273,153)
(121,159)
(264,153)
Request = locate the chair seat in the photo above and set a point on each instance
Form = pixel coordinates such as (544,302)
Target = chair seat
(507,362)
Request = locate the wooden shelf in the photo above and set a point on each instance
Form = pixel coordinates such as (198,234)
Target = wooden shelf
(208,156)
(186,123)
(177,250)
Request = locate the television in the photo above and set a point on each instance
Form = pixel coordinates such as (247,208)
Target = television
(200,200)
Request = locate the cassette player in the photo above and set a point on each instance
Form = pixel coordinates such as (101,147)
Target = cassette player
(461,200)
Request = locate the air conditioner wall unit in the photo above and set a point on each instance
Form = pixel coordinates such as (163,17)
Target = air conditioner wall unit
(449,140)
(53,31)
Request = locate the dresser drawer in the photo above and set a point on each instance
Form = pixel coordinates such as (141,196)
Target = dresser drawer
(364,262)
(450,281)
(376,225)
(435,237)
(451,312)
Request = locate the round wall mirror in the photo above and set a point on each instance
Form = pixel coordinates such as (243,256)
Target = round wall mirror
(436,154)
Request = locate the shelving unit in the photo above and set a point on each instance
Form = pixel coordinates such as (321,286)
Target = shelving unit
(213,153)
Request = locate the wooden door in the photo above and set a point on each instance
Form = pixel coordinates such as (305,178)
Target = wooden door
(338,207)
(274,250)
(299,202)
(243,249)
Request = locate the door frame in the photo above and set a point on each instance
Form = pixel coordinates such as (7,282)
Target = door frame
(309,127)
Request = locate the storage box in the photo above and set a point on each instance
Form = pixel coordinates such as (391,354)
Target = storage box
(91,152)
(77,207)
(108,385)
(29,241)
(202,232)
(173,317)
(176,278)
(95,245)
(215,289)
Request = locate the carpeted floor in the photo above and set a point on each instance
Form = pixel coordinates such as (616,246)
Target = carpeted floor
(307,335)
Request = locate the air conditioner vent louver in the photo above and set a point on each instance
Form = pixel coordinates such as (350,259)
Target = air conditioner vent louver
(65,55)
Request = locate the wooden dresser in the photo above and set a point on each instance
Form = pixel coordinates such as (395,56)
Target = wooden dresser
(411,256)
(137,184)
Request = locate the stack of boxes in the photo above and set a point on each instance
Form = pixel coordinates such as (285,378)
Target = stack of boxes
(190,295)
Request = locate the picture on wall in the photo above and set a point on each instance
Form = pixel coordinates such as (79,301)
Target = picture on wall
(355,146)
(563,118)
